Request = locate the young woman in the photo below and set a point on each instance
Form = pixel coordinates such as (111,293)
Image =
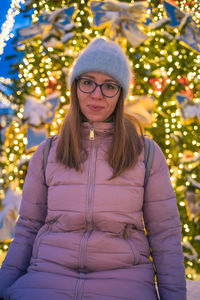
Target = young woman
(82,228)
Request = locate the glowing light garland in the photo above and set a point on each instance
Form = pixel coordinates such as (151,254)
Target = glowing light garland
(8,24)
(4,99)
(5,80)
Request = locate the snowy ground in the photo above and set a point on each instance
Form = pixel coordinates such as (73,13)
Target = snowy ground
(193,289)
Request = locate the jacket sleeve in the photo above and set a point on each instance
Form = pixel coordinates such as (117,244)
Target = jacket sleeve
(162,222)
(32,215)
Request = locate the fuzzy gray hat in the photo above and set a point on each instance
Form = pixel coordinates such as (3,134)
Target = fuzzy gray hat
(105,57)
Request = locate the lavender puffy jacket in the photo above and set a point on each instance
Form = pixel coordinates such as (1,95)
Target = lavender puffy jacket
(82,237)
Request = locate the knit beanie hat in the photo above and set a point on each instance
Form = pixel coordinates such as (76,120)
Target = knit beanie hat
(105,57)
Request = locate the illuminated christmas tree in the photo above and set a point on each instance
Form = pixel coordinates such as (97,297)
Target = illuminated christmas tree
(162,40)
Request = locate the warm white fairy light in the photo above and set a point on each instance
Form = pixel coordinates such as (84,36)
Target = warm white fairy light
(8,24)
(5,80)
(3,98)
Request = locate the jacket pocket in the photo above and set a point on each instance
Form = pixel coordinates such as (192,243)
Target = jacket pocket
(145,257)
(126,235)
(134,251)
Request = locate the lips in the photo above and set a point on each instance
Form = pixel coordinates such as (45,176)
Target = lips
(95,107)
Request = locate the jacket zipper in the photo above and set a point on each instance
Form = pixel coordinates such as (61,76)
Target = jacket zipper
(79,287)
(88,216)
(82,265)
(88,211)
(83,250)
(91,133)
(91,179)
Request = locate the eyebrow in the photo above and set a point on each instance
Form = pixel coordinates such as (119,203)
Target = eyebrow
(106,80)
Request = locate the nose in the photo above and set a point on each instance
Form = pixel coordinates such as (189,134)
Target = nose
(97,94)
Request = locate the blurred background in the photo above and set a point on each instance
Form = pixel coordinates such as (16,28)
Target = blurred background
(39,41)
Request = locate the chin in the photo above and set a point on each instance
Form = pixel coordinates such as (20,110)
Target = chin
(95,119)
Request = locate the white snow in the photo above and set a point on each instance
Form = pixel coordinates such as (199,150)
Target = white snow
(193,289)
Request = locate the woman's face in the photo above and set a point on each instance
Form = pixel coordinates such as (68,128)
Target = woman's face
(95,106)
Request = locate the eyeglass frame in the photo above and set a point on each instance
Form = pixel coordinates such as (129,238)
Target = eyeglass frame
(96,85)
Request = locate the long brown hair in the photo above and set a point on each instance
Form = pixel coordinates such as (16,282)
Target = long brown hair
(126,145)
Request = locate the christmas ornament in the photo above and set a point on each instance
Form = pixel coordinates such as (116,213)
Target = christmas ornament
(187,91)
(28,2)
(158,83)
(189,157)
(189,109)
(37,112)
(9,213)
(193,182)
(189,32)
(35,136)
(51,27)
(193,205)
(53,100)
(6,116)
(142,108)
(194,255)
(190,162)
(54,84)
(125,19)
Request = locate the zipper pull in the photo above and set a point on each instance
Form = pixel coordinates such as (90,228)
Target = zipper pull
(92,134)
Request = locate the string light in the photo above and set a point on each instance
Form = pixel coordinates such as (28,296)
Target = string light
(9,23)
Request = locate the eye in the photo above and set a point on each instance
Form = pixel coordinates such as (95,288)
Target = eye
(110,86)
(86,81)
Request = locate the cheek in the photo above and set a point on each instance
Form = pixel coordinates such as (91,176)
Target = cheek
(80,99)
(78,95)
(113,105)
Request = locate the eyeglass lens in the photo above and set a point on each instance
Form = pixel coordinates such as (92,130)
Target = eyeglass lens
(88,86)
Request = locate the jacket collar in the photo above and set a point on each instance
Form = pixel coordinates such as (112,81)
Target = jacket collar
(99,129)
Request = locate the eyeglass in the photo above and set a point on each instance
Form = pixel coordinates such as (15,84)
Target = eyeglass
(88,86)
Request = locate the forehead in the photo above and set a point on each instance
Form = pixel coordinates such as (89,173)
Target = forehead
(98,76)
